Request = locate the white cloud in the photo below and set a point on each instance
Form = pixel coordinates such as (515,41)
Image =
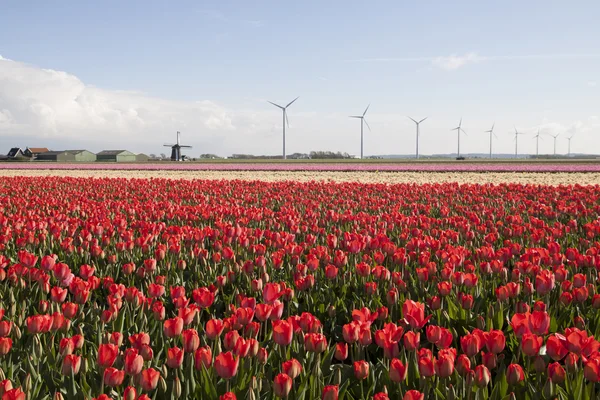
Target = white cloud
(592,83)
(454,61)
(54,104)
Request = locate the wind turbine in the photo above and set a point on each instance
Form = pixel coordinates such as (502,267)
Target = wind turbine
(555,136)
(517,133)
(285,119)
(569,139)
(176,149)
(491,132)
(458,129)
(362,119)
(537,142)
(417,123)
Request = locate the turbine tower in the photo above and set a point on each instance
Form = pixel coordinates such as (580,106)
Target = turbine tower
(555,136)
(285,119)
(458,129)
(569,139)
(517,133)
(362,119)
(537,143)
(417,123)
(491,132)
(176,149)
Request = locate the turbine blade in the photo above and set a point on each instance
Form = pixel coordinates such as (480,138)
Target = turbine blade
(276,105)
(495,135)
(366,109)
(412,120)
(355,116)
(463,131)
(287,120)
(493,125)
(292,102)
(366,123)
(423,119)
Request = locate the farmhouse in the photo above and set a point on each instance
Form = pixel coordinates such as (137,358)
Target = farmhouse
(34,152)
(116,156)
(16,153)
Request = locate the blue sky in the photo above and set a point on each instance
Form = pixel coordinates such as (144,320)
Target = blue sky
(130,73)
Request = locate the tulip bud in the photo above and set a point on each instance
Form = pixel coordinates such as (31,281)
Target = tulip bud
(331,311)
(27,384)
(17,332)
(480,322)
(164,370)
(130,393)
(548,390)
(163,384)
(177,388)
(539,364)
(58,396)
(579,323)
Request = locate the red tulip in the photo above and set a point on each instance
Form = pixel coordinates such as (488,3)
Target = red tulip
(482,376)
(282,384)
(213,328)
(495,341)
(133,362)
(413,395)
(398,371)
(173,327)
(470,344)
(514,374)
(556,373)
(228,396)
(203,357)
(591,370)
(444,365)
(14,394)
(107,354)
(71,364)
(5,346)
(361,369)
(226,365)
(381,396)
(174,357)
(191,340)
(292,367)
(341,351)
(426,367)
(414,314)
(282,332)
(315,342)
(330,392)
(411,340)
(531,344)
(149,379)
(113,377)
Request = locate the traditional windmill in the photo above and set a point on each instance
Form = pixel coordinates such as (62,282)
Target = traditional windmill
(176,149)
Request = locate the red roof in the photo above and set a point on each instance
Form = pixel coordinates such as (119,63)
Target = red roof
(37,149)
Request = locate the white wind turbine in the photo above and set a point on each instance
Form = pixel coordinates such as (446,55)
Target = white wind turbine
(491,132)
(517,133)
(417,123)
(569,139)
(537,143)
(362,119)
(285,119)
(458,129)
(554,137)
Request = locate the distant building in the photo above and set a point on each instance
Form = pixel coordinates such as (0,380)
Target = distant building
(116,156)
(141,157)
(60,156)
(34,152)
(82,155)
(16,153)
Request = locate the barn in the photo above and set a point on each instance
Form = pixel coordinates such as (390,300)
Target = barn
(60,155)
(116,156)
(82,155)
(141,157)
(16,154)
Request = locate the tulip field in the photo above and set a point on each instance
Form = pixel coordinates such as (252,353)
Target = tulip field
(137,289)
